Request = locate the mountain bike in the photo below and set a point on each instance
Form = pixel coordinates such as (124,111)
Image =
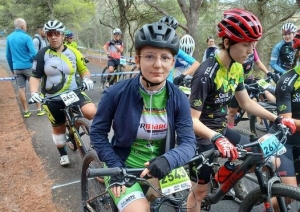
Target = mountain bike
(256,92)
(95,196)
(108,79)
(77,127)
(259,87)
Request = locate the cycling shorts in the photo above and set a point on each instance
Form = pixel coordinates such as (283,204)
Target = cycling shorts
(54,108)
(204,174)
(287,167)
(135,192)
(114,63)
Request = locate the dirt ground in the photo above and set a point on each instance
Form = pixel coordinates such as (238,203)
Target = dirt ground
(24,183)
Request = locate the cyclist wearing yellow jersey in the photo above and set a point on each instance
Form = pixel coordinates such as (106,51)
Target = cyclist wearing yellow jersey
(69,39)
(213,85)
(57,66)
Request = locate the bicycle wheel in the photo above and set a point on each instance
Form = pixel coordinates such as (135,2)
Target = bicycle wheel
(253,202)
(104,78)
(91,188)
(82,126)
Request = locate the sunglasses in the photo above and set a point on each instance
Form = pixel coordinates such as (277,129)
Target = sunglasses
(53,33)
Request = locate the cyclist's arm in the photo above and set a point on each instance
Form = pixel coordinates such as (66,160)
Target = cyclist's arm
(194,64)
(252,107)
(8,56)
(258,62)
(101,127)
(275,58)
(200,129)
(191,70)
(105,48)
(34,84)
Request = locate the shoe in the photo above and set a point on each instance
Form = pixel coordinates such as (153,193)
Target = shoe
(64,160)
(40,112)
(240,190)
(26,114)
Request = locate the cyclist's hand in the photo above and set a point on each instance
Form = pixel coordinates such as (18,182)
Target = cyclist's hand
(270,75)
(157,167)
(178,80)
(117,190)
(289,122)
(35,97)
(108,55)
(224,146)
(88,84)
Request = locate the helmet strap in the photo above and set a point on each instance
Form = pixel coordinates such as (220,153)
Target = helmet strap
(150,84)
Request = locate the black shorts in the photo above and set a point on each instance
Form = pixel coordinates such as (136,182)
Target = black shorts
(287,167)
(54,109)
(204,174)
(114,63)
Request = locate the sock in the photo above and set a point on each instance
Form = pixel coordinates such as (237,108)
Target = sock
(62,151)
(230,126)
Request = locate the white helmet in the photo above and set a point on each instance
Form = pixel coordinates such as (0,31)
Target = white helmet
(187,44)
(288,28)
(55,26)
(117,31)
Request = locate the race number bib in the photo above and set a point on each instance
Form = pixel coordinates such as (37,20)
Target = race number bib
(263,83)
(270,145)
(122,61)
(69,98)
(177,180)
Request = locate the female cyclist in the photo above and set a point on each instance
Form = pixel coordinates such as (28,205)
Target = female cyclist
(213,85)
(145,112)
(58,65)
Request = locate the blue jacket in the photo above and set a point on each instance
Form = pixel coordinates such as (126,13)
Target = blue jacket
(282,56)
(19,50)
(121,105)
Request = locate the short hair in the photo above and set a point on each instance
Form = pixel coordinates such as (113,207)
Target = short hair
(19,22)
(209,37)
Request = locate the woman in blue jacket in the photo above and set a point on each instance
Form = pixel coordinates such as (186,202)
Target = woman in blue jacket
(145,112)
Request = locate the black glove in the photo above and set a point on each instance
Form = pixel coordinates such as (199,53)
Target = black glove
(116,179)
(270,75)
(159,167)
(178,80)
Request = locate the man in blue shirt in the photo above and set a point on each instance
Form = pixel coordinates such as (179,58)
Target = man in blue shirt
(19,54)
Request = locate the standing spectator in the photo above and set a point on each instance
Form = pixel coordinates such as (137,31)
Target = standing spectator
(114,49)
(282,55)
(39,39)
(211,50)
(19,54)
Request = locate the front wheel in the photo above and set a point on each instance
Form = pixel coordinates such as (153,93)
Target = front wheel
(84,145)
(91,188)
(289,194)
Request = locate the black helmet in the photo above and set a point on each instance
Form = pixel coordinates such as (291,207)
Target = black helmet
(159,35)
(170,21)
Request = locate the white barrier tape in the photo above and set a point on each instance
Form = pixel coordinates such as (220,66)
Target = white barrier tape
(118,73)
(7,78)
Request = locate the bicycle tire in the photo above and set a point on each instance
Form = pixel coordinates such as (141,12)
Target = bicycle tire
(253,201)
(91,187)
(70,140)
(104,78)
(82,126)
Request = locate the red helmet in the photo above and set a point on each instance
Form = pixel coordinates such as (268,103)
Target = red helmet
(296,43)
(240,26)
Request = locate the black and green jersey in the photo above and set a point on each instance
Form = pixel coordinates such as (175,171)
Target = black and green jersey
(288,97)
(152,131)
(212,88)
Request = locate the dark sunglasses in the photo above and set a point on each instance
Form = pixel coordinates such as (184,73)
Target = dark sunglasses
(53,33)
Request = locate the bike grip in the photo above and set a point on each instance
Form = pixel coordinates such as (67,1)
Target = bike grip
(96,172)
(31,102)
